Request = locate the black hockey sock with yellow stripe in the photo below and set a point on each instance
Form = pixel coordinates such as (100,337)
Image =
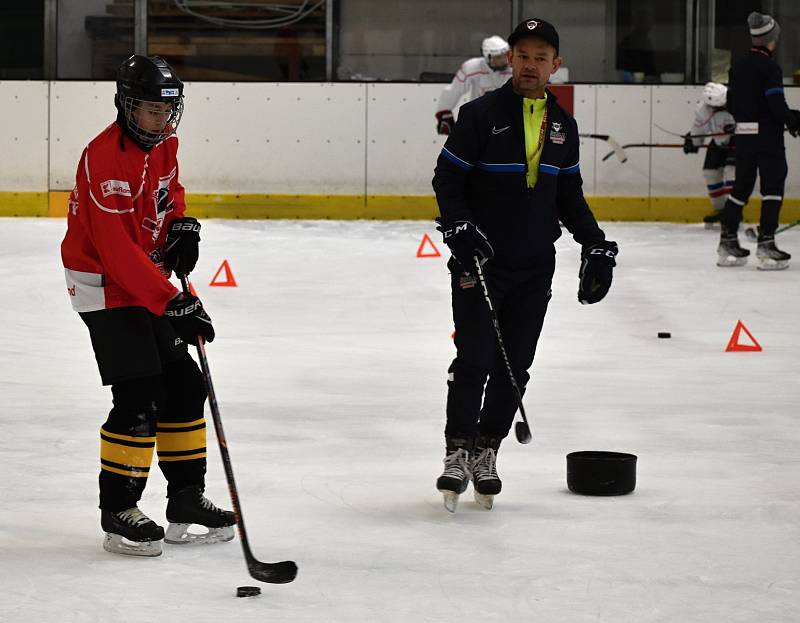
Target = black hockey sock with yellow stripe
(127,441)
(181,436)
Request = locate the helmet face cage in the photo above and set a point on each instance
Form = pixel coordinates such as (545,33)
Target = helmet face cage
(495,50)
(715,94)
(139,112)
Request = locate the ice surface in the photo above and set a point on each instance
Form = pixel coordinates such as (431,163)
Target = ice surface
(330,365)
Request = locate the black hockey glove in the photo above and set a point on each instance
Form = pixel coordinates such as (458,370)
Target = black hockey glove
(466,242)
(189,319)
(597,270)
(445,122)
(688,145)
(181,249)
(793,122)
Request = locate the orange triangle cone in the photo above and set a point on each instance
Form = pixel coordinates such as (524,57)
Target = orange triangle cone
(229,282)
(735,346)
(192,291)
(426,240)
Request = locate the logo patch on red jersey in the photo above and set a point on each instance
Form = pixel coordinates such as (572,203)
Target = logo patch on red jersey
(115,187)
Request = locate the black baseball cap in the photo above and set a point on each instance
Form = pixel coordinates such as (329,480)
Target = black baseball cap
(535,27)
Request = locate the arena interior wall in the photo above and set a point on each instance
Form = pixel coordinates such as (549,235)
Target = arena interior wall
(348,150)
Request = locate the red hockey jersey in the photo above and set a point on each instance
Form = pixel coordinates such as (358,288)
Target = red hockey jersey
(119,212)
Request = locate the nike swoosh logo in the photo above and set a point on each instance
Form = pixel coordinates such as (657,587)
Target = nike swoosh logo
(496,131)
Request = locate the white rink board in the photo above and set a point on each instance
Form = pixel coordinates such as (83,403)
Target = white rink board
(585,111)
(402,145)
(273,138)
(23,136)
(79,111)
(673,110)
(624,113)
(327,138)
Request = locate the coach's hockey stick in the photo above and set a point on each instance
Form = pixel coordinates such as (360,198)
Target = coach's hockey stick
(522,430)
(618,150)
(272,572)
(752,234)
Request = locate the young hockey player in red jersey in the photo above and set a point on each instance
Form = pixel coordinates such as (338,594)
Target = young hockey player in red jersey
(126,233)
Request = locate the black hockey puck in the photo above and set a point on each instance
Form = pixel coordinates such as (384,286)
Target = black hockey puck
(664,334)
(248,591)
(595,472)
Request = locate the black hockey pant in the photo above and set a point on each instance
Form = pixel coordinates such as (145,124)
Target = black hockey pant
(520,298)
(158,395)
(770,166)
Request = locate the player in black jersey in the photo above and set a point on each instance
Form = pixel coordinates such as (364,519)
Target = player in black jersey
(757,102)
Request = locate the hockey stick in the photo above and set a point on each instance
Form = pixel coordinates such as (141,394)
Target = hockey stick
(629,145)
(752,234)
(272,572)
(671,133)
(619,151)
(522,430)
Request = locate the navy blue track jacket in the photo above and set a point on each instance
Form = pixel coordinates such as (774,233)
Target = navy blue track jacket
(480,176)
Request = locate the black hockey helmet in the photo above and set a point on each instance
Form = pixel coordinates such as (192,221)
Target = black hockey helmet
(144,85)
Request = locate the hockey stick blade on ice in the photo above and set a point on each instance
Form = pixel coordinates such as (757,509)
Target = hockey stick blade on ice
(522,430)
(615,146)
(271,572)
(752,234)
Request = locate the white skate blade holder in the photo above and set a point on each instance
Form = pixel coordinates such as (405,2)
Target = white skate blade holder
(486,501)
(450,500)
(182,534)
(117,544)
(723,259)
(766,263)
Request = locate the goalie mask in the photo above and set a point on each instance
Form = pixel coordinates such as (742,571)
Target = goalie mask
(495,50)
(149,99)
(715,94)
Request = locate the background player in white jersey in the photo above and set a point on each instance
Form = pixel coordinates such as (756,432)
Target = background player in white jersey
(719,166)
(475,77)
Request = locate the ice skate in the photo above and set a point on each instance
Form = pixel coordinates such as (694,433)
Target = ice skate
(190,507)
(131,532)
(455,477)
(711,220)
(485,481)
(729,253)
(769,256)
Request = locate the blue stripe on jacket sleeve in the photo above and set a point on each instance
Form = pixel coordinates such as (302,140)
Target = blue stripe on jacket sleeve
(575,168)
(774,91)
(510,167)
(456,160)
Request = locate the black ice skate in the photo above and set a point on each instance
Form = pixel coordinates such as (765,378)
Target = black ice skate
(189,506)
(711,220)
(455,477)
(729,253)
(769,256)
(485,480)
(131,532)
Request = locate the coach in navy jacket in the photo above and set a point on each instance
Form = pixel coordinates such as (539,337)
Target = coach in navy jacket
(507,175)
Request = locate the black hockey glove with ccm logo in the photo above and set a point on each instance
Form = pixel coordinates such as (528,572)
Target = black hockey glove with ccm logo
(597,270)
(466,242)
(182,247)
(187,316)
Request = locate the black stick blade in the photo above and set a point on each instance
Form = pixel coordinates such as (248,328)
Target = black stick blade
(273,572)
(523,432)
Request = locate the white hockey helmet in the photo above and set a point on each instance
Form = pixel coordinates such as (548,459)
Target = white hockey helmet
(715,94)
(495,50)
